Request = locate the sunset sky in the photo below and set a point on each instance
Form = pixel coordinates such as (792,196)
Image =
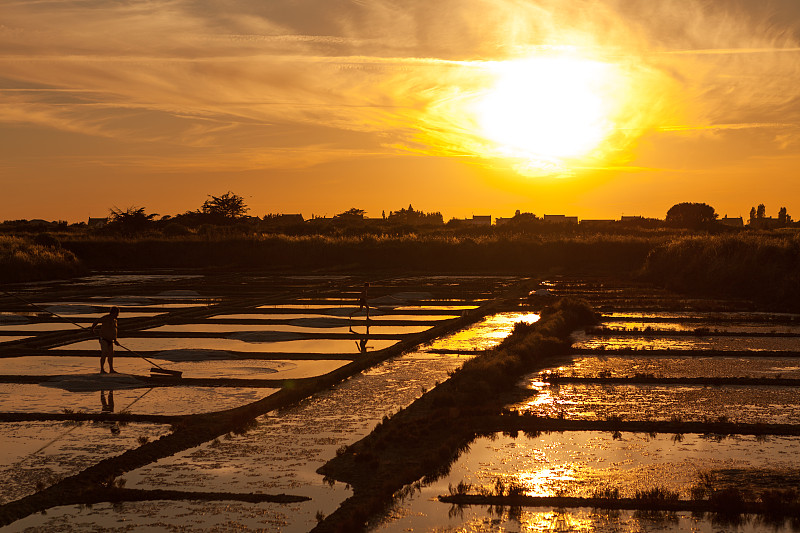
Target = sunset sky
(595,108)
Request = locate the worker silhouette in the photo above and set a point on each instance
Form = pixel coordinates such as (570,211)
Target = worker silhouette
(108,338)
(362,300)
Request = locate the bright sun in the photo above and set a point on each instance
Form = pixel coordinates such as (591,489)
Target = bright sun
(547,110)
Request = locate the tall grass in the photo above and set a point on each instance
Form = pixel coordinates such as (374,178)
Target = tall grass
(22,260)
(421,252)
(765,268)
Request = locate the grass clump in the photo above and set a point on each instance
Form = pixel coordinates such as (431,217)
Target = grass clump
(656,493)
(23,260)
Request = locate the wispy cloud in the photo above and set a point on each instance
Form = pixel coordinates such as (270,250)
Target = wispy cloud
(372,77)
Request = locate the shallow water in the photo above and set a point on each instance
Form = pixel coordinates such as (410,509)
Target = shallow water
(243,368)
(676,316)
(72,308)
(9,338)
(326,346)
(41,452)
(710,342)
(761,404)
(485,334)
(37,326)
(733,327)
(434,516)
(226,328)
(435,307)
(344,318)
(689,366)
(25,398)
(255,369)
(155,516)
(290,445)
(578,463)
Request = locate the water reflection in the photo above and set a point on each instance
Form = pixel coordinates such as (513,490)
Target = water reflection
(583,463)
(655,342)
(363,338)
(753,404)
(681,366)
(485,334)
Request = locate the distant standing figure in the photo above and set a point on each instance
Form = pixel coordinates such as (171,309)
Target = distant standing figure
(108,338)
(362,300)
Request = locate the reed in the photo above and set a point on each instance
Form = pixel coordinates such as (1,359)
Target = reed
(369,251)
(23,260)
(761,267)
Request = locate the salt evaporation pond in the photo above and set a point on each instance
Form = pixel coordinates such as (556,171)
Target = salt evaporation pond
(326,346)
(256,369)
(485,334)
(705,342)
(38,326)
(745,404)
(478,519)
(579,463)
(26,398)
(240,368)
(743,316)
(225,328)
(282,453)
(677,367)
(42,452)
(69,308)
(764,328)
(187,517)
(9,338)
(344,317)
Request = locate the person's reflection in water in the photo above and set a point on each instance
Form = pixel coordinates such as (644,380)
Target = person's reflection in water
(107,405)
(361,343)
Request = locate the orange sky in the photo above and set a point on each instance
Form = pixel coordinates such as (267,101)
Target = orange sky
(317,106)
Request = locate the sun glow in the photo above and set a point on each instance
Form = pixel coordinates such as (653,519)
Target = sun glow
(546,111)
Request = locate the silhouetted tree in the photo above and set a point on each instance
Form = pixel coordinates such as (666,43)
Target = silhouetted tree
(351,214)
(783,217)
(761,211)
(415,218)
(131,220)
(752,214)
(225,208)
(691,215)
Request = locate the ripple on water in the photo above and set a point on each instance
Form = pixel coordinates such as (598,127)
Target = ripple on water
(578,463)
(34,453)
(753,404)
(485,334)
(24,398)
(284,450)
(683,367)
(655,342)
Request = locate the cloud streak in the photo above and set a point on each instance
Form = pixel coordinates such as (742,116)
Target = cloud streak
(371,78)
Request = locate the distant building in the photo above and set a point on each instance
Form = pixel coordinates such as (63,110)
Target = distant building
(560,219)
(293,218)
(476,220)
(597,222)
(736,222)
(632,218)
(764,223)
(97,222)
